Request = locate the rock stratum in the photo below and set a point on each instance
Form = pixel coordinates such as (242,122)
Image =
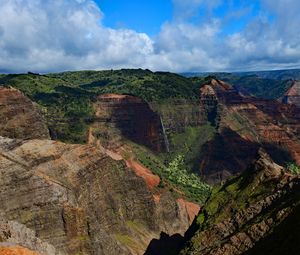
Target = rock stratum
(20,118)
(129,117)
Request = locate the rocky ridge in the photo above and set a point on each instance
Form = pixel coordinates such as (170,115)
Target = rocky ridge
(244,214)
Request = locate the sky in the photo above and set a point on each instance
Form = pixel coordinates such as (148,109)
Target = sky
(167,35)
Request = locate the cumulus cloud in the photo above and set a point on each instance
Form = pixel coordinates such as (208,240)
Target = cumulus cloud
(47,36)
(271,40)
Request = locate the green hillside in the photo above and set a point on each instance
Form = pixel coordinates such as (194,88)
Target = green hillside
(66,98)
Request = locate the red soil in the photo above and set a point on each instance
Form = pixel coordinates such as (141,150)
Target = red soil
(151,179)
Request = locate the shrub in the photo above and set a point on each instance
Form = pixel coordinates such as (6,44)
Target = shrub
(293,168)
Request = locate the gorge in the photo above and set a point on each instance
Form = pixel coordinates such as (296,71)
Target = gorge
(201,169)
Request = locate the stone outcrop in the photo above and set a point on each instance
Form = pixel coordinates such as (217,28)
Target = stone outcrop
(292,96)
(129,117)
(20,118)
(14,235)
(245,214)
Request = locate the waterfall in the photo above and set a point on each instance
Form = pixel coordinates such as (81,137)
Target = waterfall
(164,135)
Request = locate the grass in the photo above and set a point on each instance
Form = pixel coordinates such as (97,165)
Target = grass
(293,168)
(128,241)
(185,183)
(189,144)
(151,86)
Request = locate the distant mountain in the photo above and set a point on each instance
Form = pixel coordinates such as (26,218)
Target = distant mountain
(293,74)
(285,74)
(262,84)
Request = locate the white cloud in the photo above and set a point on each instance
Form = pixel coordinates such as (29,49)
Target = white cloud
(268,42)
(45,36)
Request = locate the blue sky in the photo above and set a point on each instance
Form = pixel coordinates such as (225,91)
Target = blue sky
(147,16)
(168,35)
(143,16)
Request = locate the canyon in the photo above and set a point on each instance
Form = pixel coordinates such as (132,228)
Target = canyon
(114,193)
(77,199)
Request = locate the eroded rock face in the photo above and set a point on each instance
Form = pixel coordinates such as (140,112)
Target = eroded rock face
(244,124)
(131,117)
(292,96)
(16,250)
(248,211)
(79,200)
(19,117)
(179,114)
(15,236)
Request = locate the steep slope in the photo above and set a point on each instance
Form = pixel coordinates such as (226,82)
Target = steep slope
(249,214)
(20,118)
(244,124)
(126,128)
(132,117)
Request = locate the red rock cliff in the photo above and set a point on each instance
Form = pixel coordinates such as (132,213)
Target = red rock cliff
(130,116)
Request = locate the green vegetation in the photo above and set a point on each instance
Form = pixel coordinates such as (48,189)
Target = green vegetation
(31,84)
(189,144)
(66,98)
(260,87)
(151,86)
(293,168)
(236,194)
(175,175)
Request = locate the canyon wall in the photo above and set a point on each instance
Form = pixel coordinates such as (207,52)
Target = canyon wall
(244,124)
(179,114)
(20,118)
(129,117)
